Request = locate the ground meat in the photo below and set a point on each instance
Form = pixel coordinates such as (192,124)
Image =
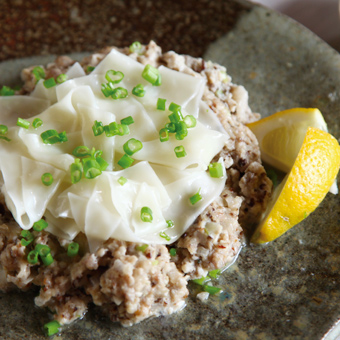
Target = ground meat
(130,283)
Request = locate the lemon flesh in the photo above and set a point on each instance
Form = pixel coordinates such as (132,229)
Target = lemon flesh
(281,135)
(304,187)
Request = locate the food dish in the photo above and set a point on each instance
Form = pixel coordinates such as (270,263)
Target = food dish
(295,311)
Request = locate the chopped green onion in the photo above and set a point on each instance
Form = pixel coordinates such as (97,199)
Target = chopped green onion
(6,91)
(180,151)
(142,248)
(114,77)
(27,237)
(150,74)
(158,81)
(47,260)
(132,146)
(61,78)
(214,273)
(89,69)
(190,121)
(211,289)
(40,225)
(50,82)
(37,122)
(146,214)
(195,198)
(76,171)
(171,127)
(176,117)
(42,249)
(123,129)
(32,257)
(174,107)
(126,161)
(181,130)
(122,180)
(53,137)
(25,243)
(91,168)
(119,93)
(161,104)
(165,235)
(138,90)
(47,179)
(135,47)
(127,121)
(102,163)
(111,129)
(3,129)
(216,170)
(52,327)
(5,138)
(72,249)
(163,135)
(23,123)
(81,151)
(173,251)
(200,281)
(97,128)
(170,223)
(38,73)
(107,89)
(96,153)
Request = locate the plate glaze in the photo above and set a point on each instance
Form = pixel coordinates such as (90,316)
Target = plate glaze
(288,289)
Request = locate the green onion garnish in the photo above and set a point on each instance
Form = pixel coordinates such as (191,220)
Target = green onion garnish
(176,117)
(47,179)
(181,130)
(146,214)
(6,91)
(23,123)
(25,242)
(76,169)
(114,77)
(32,257)
(195,198)
(214,273)
(89,69)
(111,129)
(91,168)
(107,89)
(138,90)
(163,135)
(123,129)
(173,251)
(151,74)
(52,327)
(126,161)
(47,260)
(190,121)
(72,249)
(165,235)
(81,151)
(37,122)
(142,248)
(5,138)
(171,127)
(161,104)
(61,78)
(216,170)
(174,107)
(127,121)
(42,249)
(97,128)
(50,82)
(3,129)
(102,163)
(119,93)
(180,151)
(132,146)
(211,289)
(200,281)
(170,223)
(122,180)
(158,81)
(40,225)
(38,73)
(53,137)
(27,237)
(135,47)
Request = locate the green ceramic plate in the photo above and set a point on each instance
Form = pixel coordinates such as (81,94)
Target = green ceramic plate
(288,289)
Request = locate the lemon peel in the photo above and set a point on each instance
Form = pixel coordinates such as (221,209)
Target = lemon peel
(304,187)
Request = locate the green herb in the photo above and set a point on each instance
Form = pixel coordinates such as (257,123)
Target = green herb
(211,289)
(61,78)
(114,77)
(216,170)
(173,251)
(23,123)
(38,73)
(142,248)
(47,179)
(195,198)
(126,161)
(146,214)
(122,180)
(138,90)
(37,122)
(52,327)
(165,236)
(180,151)
(72,249)
(50,82)
(40,225)
(161,104)
(135,47)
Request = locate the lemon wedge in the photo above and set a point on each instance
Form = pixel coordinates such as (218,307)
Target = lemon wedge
(304,187)
(280,135)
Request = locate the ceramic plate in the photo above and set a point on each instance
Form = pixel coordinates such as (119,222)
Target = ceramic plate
(288,289)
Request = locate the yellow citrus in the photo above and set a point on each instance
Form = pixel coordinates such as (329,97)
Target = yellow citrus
(304,187)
